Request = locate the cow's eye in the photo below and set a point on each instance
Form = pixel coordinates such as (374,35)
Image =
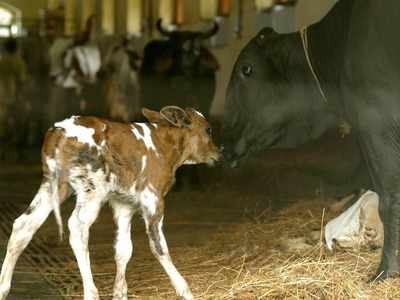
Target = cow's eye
(247,70)
(209,131)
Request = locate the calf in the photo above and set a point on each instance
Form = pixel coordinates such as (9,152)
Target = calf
(131,166)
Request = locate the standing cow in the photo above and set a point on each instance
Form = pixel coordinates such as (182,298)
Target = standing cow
(273,97)
(178,70)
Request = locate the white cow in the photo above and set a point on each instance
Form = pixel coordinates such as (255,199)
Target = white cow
(71,65)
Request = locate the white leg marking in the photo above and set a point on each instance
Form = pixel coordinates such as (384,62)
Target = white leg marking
(23,230)
(123,247)
(149,200)
(85,213)
(159,248)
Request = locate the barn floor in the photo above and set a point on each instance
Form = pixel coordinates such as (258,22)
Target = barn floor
(226,237)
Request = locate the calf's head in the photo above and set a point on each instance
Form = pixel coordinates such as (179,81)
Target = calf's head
(192,130)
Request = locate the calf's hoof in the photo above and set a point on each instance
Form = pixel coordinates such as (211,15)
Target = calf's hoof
(120,296)
(4,290)
(91,296)
(186,295)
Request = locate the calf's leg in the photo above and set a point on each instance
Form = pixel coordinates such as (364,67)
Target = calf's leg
(85,213)
(23,230)
(123,247)
(159,248)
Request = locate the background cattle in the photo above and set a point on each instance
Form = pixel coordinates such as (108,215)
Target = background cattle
(119,77)
(178,70)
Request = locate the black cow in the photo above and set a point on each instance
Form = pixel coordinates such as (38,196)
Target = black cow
(178,70)
(273,99)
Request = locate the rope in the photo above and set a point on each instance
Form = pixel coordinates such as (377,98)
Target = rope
(304,40)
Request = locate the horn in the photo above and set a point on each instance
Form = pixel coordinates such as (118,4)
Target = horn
(161,29)
(211,32)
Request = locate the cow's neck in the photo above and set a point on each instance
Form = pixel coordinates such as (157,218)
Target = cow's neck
(328,41)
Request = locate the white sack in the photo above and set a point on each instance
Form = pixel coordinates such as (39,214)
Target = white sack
(359,225)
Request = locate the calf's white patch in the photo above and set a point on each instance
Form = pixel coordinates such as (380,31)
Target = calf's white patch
(146,137)
(149,200)
(144,159)
(83,134)
(199,114)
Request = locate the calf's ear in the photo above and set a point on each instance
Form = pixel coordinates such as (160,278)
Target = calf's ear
(152,116)
(176,116)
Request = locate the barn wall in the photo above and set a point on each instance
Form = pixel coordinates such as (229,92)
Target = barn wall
(30,8)
(307,11)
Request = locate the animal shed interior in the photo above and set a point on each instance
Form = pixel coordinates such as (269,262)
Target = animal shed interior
(254,232)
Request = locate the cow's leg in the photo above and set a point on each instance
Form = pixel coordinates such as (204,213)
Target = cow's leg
(381,155)
(123,247)
(23,230)
(85,213)
(158,246)
(389,211)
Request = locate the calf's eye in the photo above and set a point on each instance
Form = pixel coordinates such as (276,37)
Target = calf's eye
(209,131)
(247,70)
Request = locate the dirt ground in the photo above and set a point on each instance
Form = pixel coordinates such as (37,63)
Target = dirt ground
(205,228)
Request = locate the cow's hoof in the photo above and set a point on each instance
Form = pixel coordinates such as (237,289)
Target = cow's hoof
(383,275)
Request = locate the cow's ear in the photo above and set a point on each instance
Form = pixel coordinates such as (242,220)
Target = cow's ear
(152,116)
(176,116)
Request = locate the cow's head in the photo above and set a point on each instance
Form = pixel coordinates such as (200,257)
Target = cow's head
(197,144)
(71,66)
(181,52)
(272,100)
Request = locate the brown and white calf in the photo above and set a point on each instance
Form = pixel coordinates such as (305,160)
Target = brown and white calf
(131,166)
